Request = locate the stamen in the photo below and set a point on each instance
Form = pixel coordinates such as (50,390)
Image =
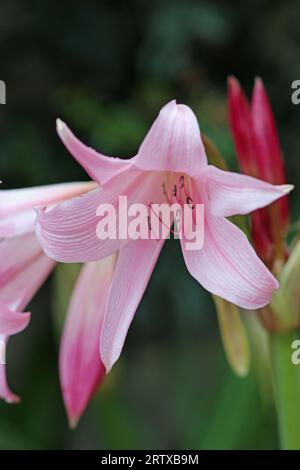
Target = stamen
(181,181)
(161,221)
(188,199)
(166,194)
(179,192)
(183,186)
(175,194)
(190,202)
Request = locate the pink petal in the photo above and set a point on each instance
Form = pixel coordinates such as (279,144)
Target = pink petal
(232,193)
(17,224)
(228,266)
(134,267)
(17,216)
(5,392)
(23,269)
(12,322)
(81,370)
(13,201)
(99,167)
(68,232)
(173,142)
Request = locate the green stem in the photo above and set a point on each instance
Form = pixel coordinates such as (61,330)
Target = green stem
(287,389)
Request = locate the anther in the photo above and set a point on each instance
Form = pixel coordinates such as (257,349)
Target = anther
(190,202)
(181,181)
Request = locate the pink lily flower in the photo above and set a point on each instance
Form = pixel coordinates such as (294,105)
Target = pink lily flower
(170,164)
(258,150)
(24,267)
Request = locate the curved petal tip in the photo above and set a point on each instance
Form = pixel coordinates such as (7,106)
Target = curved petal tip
(13,399)
(12,322)
(287,188)
(60,127)
(73,422)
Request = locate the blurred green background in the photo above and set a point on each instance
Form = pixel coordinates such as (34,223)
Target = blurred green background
(106,68)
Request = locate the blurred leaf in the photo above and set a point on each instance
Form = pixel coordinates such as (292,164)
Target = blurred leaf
(260,354)
(236,418)
(213,155)
(65,276)
(12,439)
(286,300)
(234,336)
